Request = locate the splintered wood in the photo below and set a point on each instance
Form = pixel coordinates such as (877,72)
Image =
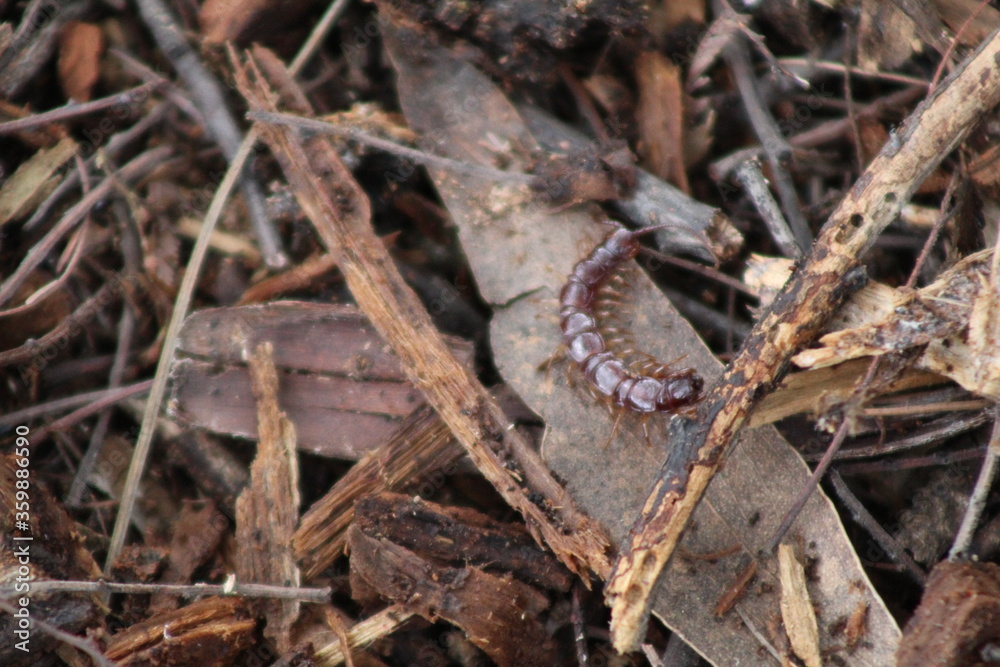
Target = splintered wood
(268,509)
(460,566)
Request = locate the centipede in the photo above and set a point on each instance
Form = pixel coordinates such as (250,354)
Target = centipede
(656,388)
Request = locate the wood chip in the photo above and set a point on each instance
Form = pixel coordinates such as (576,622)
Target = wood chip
(797,608)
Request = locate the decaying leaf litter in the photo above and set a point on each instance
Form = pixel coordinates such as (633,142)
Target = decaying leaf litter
(522,188)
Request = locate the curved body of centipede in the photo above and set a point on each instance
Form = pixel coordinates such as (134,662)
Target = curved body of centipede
(660,389)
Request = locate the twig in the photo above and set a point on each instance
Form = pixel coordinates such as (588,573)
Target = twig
(759,636)
(126,332)
(208,97)
(314,595)
(115,395)
(895,465)
(418,156)
(156,393)
(33,349)
(940,429)
(111,151)
(579,627)
(87,645)
(363,634)
(825,279)
(70,402)
(749,175)
(776,147)
(927,408)
(977,501)
(139,166)
(864,519)
(828,456)
(808,65)
(77,109)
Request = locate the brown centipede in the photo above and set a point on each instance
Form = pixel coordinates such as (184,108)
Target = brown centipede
(658,390)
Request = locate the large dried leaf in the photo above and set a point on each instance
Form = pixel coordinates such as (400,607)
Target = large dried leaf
(521,254)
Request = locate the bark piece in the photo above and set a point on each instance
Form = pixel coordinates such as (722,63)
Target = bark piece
(341,385)
(456,534)
(796,608)
(268,509)
(660,116)
(197,535)
(912,318)
(420,456)
(38,540)
(498,614)
(213,631)
(958,614)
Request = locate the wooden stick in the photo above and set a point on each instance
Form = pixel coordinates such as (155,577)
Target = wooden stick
(830,273)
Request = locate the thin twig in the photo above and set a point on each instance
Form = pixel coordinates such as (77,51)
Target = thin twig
(579,627)
(824,463)
(776,147)
(313,595)
(749,175)
(418,156)
(927,408)
(864,519)
(941,429)
(126,332)
(77,109)
(139,166)
(70,402)
(111,150)
(181,306)
(977,501)
(208,96)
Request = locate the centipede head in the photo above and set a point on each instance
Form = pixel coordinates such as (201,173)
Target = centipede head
(679,389)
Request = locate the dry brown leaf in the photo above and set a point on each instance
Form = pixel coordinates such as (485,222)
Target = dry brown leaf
(660,115)
(80,48)
(520,254)
(213,631)
(33,181)
(887,37)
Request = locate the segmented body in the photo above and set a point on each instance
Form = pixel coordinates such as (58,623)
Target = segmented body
(662,390)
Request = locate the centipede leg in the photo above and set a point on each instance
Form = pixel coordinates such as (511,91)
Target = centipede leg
(614,427)
(645,430)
